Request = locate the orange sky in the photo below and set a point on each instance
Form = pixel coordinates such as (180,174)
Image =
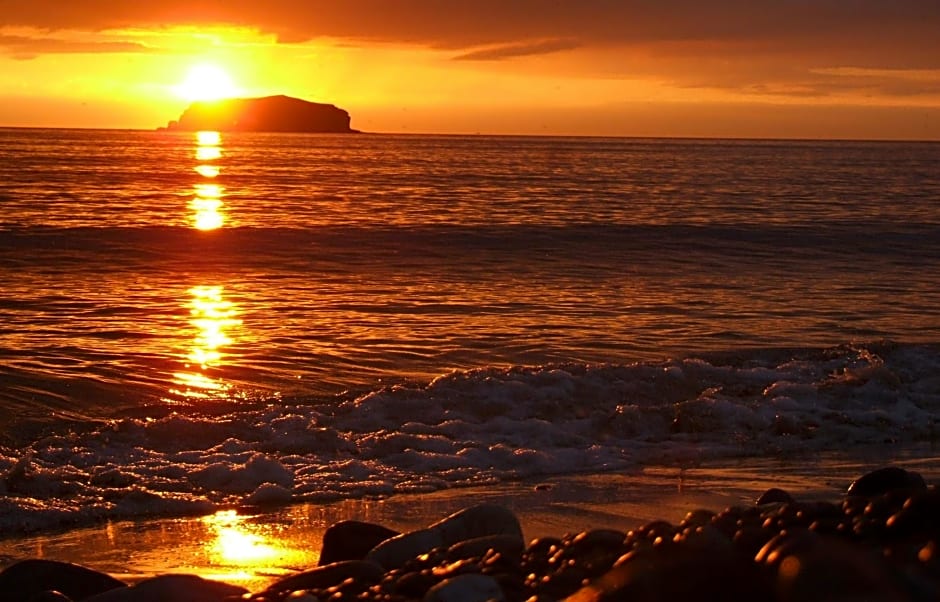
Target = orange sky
(739,68)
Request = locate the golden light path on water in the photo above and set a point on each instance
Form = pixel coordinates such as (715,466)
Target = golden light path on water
(211,317)
(207,195)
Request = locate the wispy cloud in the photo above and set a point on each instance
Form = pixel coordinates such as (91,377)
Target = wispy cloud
(22,47)
(755,46)
(507,51)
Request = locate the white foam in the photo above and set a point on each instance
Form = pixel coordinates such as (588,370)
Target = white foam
(475,426)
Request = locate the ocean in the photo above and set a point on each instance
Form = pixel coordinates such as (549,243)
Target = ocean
(190,323)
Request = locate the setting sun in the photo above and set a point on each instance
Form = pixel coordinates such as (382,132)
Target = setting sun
(206,82)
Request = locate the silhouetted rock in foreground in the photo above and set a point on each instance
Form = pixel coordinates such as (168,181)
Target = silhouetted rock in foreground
(268,114)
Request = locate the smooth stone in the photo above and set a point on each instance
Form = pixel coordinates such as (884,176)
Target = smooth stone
(471,587)
(327,576)
(774,495)
(178,588)
(507,545)
(679,573)
(919,514)
(393,553)
(883,480)
(830,569)
(50,596)
(352,540)
(301,596)
(477,521)
(28,578)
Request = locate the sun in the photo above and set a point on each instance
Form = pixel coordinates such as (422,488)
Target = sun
(206,81)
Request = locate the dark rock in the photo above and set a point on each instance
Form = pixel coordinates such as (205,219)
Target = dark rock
(466,588)
(268,114)
(352,540)
(774,496)
(50,596)
(477,521)
(507,545)
(188,588)
(920,514)
(697,518)
(28,578)
(819,568)
(678,573)
(592,552)
(414,584)
(884,480)
(324,577)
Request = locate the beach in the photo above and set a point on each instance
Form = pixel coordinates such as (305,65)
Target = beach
(254,547)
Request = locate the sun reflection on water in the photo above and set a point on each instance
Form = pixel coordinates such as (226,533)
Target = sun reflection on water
(208,138)
(207,200)
(213,317)
(234,541)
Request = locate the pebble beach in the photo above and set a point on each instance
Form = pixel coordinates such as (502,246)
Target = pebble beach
(878,540)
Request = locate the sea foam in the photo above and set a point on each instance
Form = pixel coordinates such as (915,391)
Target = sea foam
(473,427)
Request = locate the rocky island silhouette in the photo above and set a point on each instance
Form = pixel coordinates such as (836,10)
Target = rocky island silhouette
(267,114)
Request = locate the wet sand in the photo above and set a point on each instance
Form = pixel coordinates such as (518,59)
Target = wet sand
(254,547)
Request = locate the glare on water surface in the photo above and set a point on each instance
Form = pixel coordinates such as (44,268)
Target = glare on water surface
(213,318)
(208,138)
(207,205)
(237,548)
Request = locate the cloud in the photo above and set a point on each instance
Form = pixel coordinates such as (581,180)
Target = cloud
(504,51)
(27,47)
(755,46)
(466,25)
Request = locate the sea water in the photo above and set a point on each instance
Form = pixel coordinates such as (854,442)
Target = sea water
(189,323)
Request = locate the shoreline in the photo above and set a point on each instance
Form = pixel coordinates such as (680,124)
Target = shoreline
(252,549)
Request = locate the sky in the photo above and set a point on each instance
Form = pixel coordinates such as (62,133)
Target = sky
(858,69)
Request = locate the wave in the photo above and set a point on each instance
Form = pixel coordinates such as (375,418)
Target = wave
(472,427)
(117,246)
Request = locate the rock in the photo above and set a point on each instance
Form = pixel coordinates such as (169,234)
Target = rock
(301,596)
(819,568)
(477,521)
(352,540)
(886,479)
(507,545)
(50,596)
(466,588)
(269,114)
(395,552)
(179,588)
(774,495)
(920,514)
(675,572)
(29,578)
(330,575)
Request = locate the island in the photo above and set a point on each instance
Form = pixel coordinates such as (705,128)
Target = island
(268,114)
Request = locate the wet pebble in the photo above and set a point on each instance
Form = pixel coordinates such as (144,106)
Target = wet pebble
(882,545)
(883,480)
(774,495)
(28,578)
(50,596)
(352,540)
(477,521)
(466,588)
(179,588)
